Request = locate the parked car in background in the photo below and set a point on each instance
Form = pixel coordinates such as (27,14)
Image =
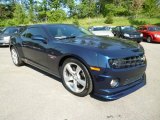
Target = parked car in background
(150,33)
(1,29)
(6,34)
(110,27)
(128,32)
(101,31)
(109,68)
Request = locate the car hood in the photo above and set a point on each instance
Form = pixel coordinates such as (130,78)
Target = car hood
(132,32)
(103,45)
(155,32)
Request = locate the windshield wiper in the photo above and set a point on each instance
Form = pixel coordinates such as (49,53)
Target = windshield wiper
(64,37)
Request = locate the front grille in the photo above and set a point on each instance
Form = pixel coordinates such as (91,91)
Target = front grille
(130,80)
(134,36)
(127,62)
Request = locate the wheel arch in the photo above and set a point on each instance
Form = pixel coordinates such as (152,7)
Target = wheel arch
(62,60)
(74,57)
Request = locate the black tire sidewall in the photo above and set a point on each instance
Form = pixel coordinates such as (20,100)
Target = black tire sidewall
(89,85)
(150,39)
(20,62)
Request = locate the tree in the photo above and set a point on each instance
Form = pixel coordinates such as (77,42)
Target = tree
(56,15)
(136,7)
(31,10)
(71,5)
(19,14)
(151,7)
(86,8)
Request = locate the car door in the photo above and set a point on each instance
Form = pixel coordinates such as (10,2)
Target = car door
(115,31)
(34,49)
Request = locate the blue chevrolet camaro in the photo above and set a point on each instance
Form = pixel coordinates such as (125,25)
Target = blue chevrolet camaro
(108,68)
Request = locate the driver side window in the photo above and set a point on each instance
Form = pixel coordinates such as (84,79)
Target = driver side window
(33,31)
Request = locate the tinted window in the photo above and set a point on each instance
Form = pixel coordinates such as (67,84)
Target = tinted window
(66,30)
(32,32)
(99,29)
(128,28)
(117,29)
(154,28)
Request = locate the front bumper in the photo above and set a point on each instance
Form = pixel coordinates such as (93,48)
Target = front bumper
(130,80)
(135,39)
(156,39)
(116,93)
(4,43)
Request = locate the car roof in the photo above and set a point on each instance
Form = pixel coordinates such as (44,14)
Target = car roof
(147,25)
(45,25)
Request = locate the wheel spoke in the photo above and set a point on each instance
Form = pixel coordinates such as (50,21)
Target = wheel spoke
(14,56)
(78,69)
(69,68)
(68,78)
(75,87)
(82,82)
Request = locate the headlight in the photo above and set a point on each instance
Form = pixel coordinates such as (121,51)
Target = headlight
(141,35)
(116,63)
(126,35)
(156,35)
(7,38)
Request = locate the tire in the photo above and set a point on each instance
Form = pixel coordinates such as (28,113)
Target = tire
(15,57)
(76,78)
(149,39)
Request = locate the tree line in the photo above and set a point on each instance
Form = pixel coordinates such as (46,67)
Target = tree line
(15,12)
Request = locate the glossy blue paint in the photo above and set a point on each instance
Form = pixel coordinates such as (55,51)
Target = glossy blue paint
(92,51)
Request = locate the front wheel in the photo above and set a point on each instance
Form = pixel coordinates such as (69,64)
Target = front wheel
(149,39)
(76,78)
(15,57)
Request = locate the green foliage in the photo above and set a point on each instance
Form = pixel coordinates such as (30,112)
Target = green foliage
(6,11)
(151,8)
(137,22)
(86,9)
(115,10)
(15,12)
(109,9)
(136,7)
(19,15)
(75,21)
(109,19)
(57,15)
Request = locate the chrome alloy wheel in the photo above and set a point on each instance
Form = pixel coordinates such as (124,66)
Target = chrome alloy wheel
(74,77)
(14,56)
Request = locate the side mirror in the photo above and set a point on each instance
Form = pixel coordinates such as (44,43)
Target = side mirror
(39,38)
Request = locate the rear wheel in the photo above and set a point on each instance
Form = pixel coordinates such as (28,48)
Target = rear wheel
(149,39)
(15,57)
(76,78)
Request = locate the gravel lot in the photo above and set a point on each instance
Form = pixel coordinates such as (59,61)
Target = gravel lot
(29,94)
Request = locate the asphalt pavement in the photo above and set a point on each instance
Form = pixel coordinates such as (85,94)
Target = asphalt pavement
(27,93)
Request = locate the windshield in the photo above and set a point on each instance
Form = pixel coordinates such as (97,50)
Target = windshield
(99,29)
(63,31)
(128,28)
(154,28)
(10,30)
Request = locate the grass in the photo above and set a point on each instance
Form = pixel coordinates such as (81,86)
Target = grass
(117,21)
(99,21)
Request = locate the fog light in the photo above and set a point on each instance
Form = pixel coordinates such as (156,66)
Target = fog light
(114,83)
